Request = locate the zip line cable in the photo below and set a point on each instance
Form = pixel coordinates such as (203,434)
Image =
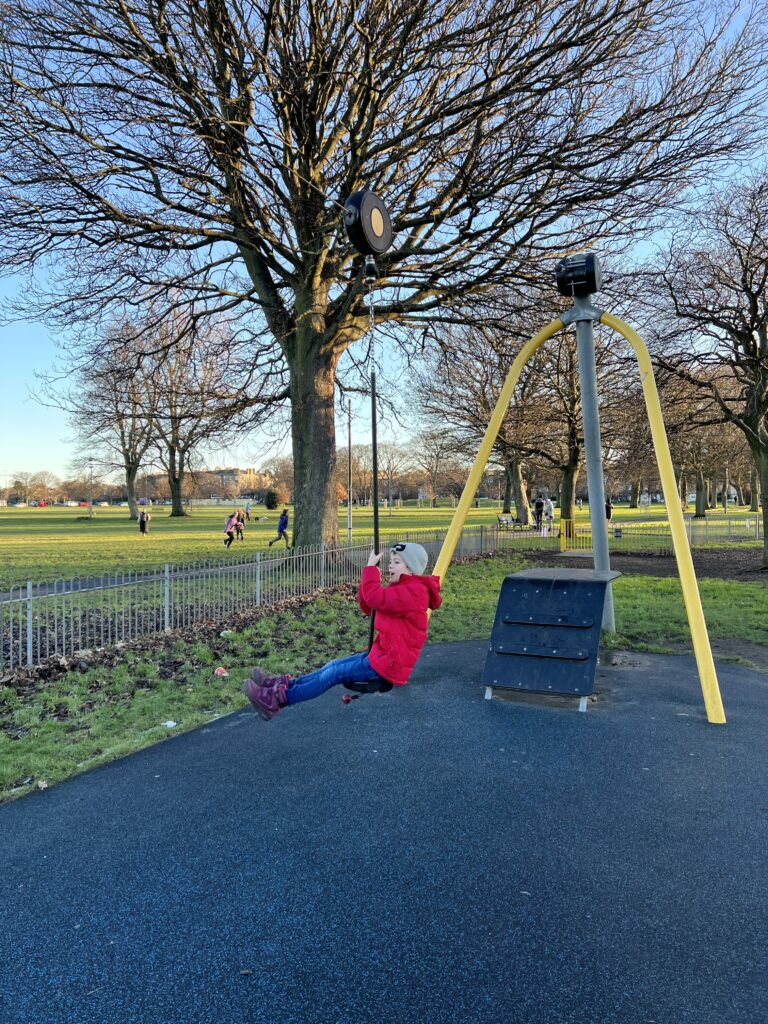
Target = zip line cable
(370,276)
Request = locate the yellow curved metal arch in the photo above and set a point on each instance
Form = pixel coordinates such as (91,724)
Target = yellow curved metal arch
(491,433)
(691,597)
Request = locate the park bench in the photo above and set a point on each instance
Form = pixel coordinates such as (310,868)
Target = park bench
(508,523)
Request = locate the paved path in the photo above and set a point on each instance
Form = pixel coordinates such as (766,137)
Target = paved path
(425,857)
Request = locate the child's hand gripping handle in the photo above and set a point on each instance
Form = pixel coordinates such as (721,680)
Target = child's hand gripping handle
(373,559)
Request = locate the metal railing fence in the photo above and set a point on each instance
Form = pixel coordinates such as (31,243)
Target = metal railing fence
(67,617)
(654,535)
(39,620)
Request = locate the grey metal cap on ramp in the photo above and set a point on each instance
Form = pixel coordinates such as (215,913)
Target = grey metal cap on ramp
(425,856)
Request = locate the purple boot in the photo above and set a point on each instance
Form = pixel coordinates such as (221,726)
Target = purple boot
(267,700)
(260,677)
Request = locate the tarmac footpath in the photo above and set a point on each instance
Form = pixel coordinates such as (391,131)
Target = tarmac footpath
(420,857)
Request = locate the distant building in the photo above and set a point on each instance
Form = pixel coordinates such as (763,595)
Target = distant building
(239,481)
(230,481)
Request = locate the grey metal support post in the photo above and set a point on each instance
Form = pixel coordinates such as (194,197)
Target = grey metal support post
(584,314)
(349,473)
(29,622)
(167,598)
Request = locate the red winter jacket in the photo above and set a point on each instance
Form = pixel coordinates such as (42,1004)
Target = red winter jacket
(400,620)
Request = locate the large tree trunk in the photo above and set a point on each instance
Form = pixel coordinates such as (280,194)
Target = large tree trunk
(176,479)
(634,493)
(518,492)
(568,487)
(316,517)
(701,496)
(131,472)
(760,457)
(506,508)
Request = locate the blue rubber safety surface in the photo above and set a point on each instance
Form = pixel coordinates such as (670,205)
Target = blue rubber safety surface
(420,857)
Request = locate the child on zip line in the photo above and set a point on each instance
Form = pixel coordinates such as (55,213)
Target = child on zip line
(400,620)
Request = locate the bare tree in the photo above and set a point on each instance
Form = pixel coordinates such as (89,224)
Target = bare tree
(742,474)
(460,386)
(704,453)
(43,484)
(280,472)
(192,144)
(710,319)
(112,388)
(113,408)
(391,460)
(434,453)
(698,451)
(362,471)
(355,468)
(556,432)
(193,407)
(88,480)
(21,485)
(630,456)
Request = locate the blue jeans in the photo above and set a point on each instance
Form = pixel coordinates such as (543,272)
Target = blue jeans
(354,669)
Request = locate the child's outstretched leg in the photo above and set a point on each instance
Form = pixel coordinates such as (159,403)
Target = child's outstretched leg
(262,678)
(269,694)
(269,698)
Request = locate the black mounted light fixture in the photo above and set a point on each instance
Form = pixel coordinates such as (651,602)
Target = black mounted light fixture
(368,224)
(579,276)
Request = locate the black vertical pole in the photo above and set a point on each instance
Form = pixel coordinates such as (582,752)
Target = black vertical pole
(369,229)
(374,489)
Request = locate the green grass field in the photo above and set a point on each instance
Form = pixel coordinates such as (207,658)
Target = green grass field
(53,728)
(45,544)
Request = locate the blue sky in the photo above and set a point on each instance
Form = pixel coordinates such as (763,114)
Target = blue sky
(34,437)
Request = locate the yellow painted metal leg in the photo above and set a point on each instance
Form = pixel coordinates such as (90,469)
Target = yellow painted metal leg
(494,426)
(701,648)
(566,526)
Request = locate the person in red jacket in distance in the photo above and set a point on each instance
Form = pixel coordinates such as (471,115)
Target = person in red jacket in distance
(400,620)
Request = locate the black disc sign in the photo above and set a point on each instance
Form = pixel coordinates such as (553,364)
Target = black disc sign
(367,222)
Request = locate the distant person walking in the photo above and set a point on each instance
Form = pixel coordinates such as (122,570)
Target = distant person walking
(229,529)
(608,508)
(247,511)
(282,528)
(538,510)
(240,524)
(549,514)
(144,518)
